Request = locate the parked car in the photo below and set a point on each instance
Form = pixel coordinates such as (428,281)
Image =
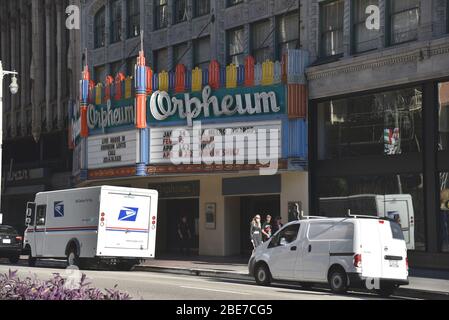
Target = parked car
(10,243)
(343,252)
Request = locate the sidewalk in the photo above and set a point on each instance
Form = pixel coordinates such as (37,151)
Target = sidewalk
(426,284)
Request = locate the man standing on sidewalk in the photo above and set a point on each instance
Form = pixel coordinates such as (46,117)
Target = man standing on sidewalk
(184,236)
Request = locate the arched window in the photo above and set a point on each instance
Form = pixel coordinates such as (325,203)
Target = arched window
(116,21)
(99,25)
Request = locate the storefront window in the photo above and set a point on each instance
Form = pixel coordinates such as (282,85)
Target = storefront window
(443,113)
(399,197)
(444,212)
(387,123)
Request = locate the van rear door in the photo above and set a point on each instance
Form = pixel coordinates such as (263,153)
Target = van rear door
(127,223)
(370,242)
(394,251)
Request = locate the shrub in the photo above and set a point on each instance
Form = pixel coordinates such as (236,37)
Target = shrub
(14,288)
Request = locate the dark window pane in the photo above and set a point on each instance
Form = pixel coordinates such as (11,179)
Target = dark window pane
(99,32)
(99,74)
(116,67)
(133,21)
(161,13)
(260,33)
(116,21)
(397,196)
(235,46)
(180,11)
(202,7)
(161,60)
(287,33)
(234,2)
(387,123)
(130,65)
(201,53)
(332,15)
(180,54)
(365,38)
(404,20)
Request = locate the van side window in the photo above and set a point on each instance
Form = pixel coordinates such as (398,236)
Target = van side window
(40,215)
(285,236)
(396,231)
(331,231)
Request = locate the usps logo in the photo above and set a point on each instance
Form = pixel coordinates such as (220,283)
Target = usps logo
(128,214)
(59,209)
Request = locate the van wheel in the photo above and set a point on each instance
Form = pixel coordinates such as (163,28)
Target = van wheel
(72,257)
(31,260)
(338,281)
(386,290)
(262,275)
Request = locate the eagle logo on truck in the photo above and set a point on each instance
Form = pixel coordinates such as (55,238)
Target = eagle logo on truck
(128,214)
(58,209)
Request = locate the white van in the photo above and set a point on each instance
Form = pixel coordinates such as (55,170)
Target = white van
(398,207)
(110,224)
(344,252)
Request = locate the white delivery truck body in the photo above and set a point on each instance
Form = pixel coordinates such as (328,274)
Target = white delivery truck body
(100,222)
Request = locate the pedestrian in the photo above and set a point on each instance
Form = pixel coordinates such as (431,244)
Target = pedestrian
(256,232)
(276,225)
(266,228)
(184,236)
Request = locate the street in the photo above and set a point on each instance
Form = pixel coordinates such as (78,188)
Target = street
(159,286)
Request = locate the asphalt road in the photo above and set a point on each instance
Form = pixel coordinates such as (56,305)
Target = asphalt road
(160,286)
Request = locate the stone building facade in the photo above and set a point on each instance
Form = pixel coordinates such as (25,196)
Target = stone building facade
(36,43)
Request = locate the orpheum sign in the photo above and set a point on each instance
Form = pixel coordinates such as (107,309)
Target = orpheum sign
(112,150)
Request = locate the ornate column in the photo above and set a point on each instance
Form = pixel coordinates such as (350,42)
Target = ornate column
(14,25)
(50,59)
(61,68)
(37,67)
(24,65)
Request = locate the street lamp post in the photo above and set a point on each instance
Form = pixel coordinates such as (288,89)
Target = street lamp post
(13,87)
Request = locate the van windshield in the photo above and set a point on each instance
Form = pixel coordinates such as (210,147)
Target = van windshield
(396,231)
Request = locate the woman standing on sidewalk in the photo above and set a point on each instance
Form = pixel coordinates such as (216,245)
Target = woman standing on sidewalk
(256,232)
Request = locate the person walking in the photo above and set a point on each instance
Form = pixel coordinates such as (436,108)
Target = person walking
(256,232)
(184,236)
(266,228)
(276,225)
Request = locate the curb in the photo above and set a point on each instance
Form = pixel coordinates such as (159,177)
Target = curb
(401,292)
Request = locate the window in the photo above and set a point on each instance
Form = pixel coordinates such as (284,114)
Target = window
(133,21)
(202,7)
(386,123)
(396,231)
(260,42)
(443,114)
(331,231)
(233,2)
(404,20)
(365,39)
(130,65)
(116,68)
(161,14)
(180,54)
(99,74)
(99,32)
(41,215)
(331,16)
(201,53)
(444,212)
(287,33)
(235,46)
(391,194)
(180,11)
(285,236)
(116,21)
(161,60)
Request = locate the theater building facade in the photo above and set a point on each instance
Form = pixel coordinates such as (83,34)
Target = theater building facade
(220,144)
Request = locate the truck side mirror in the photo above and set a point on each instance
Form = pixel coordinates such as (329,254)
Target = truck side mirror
(29,212)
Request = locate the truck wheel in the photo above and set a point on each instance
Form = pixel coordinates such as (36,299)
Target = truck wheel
(338,281)
(262,275)
(72,257)
(14,259)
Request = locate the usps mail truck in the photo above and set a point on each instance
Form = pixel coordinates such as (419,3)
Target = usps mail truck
(115,225)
